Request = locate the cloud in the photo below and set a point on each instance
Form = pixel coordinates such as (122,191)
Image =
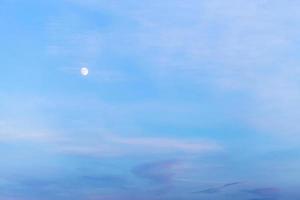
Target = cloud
(34,136)
(161,172)
(65,41)
(209,191)
(166,144)
(160,176)
(214,190)
(11,132)
(231,184)
(266,193)
(112,181)
(59,187)
(112,145)
(245,47)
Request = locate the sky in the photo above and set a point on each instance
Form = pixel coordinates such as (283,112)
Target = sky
(184,100)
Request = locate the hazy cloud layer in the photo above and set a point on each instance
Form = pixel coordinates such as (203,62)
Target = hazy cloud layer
(183,99)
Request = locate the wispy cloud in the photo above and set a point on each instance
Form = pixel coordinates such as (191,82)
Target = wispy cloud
(15,133)
(231,46)
(218,189)
(112,145)
(165,144)
(110,181)
(266,193)
(27,136)
(161,172)
(160,176)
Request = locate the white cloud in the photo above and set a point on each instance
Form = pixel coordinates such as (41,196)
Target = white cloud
(168,144)
(18,132)
(115,146)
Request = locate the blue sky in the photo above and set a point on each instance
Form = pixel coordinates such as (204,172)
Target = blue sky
(194,99)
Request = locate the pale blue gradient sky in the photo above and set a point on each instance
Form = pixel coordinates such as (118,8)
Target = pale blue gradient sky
(194,99)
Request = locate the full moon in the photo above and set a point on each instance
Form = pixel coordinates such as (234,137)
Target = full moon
(84,71)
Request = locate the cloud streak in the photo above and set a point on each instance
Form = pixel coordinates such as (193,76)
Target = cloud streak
(112,145)
(214,190)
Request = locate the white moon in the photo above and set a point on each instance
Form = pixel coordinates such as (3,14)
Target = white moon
(84,71)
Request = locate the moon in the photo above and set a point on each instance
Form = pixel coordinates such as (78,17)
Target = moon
(84,71)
